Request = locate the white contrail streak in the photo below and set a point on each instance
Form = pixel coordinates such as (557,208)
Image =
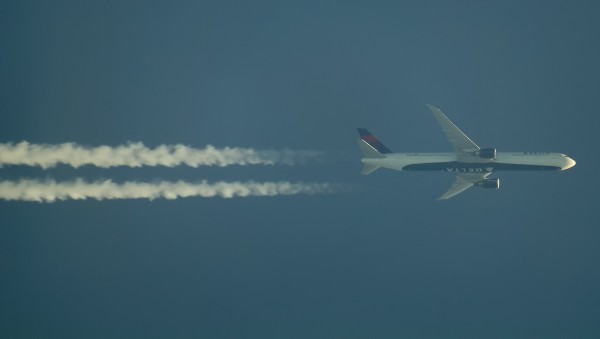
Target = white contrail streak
(50,190)
(137,155)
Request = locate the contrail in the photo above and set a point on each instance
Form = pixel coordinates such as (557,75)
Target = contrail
(137,155)
(50,190)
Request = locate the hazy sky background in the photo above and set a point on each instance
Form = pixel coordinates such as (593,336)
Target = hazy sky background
(383,261)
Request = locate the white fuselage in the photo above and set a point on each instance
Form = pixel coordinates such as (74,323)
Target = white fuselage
(449,162)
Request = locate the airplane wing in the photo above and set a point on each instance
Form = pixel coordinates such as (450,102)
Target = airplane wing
(463,146)
(463,182)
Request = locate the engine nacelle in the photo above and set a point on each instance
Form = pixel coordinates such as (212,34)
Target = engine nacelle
(490,183)
(487,153)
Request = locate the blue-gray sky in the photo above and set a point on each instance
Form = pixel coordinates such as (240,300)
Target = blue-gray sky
(383,261)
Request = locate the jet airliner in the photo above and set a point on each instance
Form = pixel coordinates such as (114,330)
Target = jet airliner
(471,164)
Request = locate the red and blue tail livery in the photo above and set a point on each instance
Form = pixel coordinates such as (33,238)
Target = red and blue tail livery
(373,141)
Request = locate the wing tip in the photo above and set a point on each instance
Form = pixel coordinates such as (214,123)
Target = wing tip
(432,108)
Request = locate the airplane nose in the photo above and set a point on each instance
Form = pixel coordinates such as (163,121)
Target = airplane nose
(569,163)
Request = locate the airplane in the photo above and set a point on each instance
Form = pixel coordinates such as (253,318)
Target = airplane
(471,164)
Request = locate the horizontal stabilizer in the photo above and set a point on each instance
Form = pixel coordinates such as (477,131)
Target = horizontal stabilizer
(368,169)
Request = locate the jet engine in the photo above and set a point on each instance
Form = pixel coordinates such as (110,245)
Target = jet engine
(486,153)
(490,183)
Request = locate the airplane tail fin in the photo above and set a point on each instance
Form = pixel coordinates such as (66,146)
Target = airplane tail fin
(369,153)
(370,139)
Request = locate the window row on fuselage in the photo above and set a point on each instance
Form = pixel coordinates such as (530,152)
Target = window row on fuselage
(539,154)
(428,154)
